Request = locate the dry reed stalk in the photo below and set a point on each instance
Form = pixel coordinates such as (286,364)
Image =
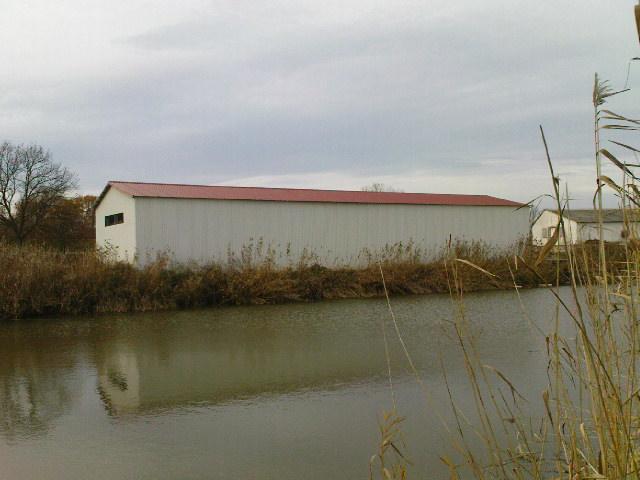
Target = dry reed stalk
(591,425)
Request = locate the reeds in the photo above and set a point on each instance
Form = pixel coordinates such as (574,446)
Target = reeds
(36,281)
(590,428)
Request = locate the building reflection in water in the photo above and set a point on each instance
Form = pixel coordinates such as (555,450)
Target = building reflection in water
(187,359)
(245,392)
(119,382)
(146,364)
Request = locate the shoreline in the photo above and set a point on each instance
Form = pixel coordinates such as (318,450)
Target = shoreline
(36,282)
(113,313)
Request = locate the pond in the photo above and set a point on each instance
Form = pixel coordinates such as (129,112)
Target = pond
(287,392)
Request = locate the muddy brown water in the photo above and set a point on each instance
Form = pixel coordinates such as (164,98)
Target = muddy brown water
(286,392)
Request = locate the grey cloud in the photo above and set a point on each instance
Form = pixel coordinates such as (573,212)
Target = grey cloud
(216,98)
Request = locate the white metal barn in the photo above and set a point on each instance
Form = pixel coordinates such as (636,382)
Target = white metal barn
(582,225)
(208,223)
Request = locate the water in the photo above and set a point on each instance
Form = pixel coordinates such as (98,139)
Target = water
(285,392)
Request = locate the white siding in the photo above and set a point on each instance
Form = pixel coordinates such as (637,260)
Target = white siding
(576,232)
(611,232)
(204,230)
(550,219)
(122,237)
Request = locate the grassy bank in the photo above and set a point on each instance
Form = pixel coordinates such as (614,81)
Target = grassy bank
(36,281)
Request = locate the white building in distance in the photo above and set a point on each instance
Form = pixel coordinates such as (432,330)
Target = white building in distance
(213,223)
(582,226)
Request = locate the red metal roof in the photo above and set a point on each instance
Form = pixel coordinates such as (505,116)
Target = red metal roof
(167,190)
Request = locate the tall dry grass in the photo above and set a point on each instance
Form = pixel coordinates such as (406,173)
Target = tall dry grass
(590,428)
(36,281)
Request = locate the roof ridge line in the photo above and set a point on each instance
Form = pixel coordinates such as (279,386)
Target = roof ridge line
(303,189)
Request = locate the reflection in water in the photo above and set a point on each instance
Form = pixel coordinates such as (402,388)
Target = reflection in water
(35,382)
(29,403)
(119,382)
(194,359)
(257,392)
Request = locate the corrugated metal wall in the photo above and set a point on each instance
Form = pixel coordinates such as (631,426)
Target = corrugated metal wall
(122,236)
(611,231)
(203,230)
(576,232)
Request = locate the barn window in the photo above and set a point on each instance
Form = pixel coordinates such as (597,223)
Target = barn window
(114,219)
(548,232)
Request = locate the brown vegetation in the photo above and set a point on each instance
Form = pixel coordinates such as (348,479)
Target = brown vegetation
(69,224)
(38,281)
(590,425)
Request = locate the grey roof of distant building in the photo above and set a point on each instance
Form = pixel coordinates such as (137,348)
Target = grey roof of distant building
(609,215)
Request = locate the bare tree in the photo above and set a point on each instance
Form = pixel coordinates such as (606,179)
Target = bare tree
(379,187)
(30,185)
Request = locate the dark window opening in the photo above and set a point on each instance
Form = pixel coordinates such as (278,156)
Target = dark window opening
(114,219)
(548,232)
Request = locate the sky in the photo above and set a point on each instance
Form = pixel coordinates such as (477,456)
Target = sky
(425,96)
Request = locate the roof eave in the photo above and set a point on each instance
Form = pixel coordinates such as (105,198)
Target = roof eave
(484,200)
(110,184)
(106,188)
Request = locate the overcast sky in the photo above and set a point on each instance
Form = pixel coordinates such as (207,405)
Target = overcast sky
(431,95)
